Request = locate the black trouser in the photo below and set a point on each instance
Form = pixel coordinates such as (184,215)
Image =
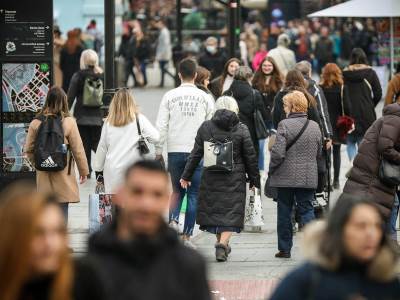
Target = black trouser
(336,161)
(164,70)
(90,136)
(129,71)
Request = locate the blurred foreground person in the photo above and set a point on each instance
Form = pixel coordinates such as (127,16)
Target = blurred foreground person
(35,263)
(393,89)
(349,257)
(140,255)
(55,118)
(293,168)
(222,194)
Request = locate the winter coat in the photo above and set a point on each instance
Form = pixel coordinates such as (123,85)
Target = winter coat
(222,196)
(127,47)
(297,167)
(69,64)
(62,184)
(213,62)
(393,90)
(148,269)
(318,279)
(268,100)
(284,57)
(333,97)
(90,116)
(381,139)
(118,149)
(324,50)
(248,99)
(364,92)
(278,113)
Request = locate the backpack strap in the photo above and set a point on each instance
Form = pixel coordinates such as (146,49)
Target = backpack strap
(71,159)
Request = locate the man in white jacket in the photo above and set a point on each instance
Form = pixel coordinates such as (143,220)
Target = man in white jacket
(182,111)
(283,56)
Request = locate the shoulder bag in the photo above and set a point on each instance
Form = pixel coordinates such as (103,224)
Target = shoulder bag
(259,124)
(344,123)
(142,144)
(272,192)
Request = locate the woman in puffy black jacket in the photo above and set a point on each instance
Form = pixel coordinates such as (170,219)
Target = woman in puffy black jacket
(365,92)
(222,195)
(248,100)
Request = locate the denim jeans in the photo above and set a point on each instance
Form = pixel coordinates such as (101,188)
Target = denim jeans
(392,230)
(261,144)
(352,146)
(286,200)
(64,208)
(176,166)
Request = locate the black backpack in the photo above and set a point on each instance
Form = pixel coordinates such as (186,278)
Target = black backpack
(50,150)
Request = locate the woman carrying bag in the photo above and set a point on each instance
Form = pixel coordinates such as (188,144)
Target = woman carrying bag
(293,169)
(229,157)
(122,139)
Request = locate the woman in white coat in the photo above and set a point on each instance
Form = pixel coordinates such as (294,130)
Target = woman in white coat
(118,146)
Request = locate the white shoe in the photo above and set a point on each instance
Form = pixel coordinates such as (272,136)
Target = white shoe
(174,225)
(189,244)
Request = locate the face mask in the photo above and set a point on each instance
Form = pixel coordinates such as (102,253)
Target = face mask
(211,49)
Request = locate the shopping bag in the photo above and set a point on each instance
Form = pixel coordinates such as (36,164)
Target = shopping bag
(138,74)
(254,213)
(100,209)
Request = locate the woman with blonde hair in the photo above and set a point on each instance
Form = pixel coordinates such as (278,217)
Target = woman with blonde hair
(87,81)
(293,168)
(119,142)
(222,194)
(35,262)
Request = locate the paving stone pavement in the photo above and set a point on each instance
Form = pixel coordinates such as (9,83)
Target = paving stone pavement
(251,272)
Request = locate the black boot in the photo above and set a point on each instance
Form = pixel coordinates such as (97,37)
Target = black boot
(220,252)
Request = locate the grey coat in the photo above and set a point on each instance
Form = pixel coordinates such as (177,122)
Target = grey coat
(297,167)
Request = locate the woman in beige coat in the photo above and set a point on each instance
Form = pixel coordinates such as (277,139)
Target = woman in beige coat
(62,184)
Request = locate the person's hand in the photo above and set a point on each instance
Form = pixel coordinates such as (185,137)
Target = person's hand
(160,159)
(184,183)
(82,179)
(328,144)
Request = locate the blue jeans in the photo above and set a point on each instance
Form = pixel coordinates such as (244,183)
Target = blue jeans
(286,201)
(261,144)
(352,146)
(64,208)
(392,231)
(176,166)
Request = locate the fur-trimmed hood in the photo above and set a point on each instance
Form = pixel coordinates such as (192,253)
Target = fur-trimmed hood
(383,268)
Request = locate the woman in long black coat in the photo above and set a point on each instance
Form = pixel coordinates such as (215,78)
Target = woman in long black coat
(222,195)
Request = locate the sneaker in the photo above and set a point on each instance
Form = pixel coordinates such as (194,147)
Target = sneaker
(189,244)
(174,225)
(220,252)
(282,254)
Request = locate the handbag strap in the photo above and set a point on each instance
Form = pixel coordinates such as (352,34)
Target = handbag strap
(342,98)
(138,125)
(298,135)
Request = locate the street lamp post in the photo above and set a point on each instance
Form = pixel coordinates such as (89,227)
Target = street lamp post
(109,32)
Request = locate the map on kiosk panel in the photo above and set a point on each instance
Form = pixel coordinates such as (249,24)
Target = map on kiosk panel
(14,136)
(25,86)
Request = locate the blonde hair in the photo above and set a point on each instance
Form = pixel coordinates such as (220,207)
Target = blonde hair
(297,101)
(123,109)
(228,103)
(90,59)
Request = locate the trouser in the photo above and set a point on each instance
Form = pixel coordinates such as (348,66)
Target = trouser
(261,155)
(90,136)
(64,208)
(392,230)
(287,197)
(352,146)
(164,70)
(129,72)
(143,66)
(336,161)
(176,166)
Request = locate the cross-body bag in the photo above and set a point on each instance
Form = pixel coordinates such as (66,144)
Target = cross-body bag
(272,192)
(142,144)
(259,124)
(218,155)
(344,123)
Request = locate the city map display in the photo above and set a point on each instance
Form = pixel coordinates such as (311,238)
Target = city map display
(25,86)
(14,135)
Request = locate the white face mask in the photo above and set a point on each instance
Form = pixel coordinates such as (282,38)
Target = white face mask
(211,49)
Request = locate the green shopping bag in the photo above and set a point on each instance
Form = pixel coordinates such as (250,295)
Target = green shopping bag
(184,204)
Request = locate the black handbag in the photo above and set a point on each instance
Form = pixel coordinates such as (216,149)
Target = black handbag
(389,173)
(218,155)
(261,129)
(142,144)
(270,191)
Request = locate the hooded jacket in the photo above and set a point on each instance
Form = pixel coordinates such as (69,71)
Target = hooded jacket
(248,99)
(381,139)
(148,269)
(222,196)
(318,279)
(365,92)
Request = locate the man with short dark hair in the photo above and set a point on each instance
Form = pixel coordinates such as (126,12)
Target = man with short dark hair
(138,255)
(182,111)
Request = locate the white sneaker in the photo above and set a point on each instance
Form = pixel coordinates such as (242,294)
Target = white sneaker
(189,244)
(174,225)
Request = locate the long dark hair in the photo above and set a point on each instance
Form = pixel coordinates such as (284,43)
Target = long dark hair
(294,81)
(56,103)
(225,72)
(276,82)
(358,56)
(332,245)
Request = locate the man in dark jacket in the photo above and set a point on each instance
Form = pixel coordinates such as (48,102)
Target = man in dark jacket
(212,58)
(127,49)
(324,49)
(139,255)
